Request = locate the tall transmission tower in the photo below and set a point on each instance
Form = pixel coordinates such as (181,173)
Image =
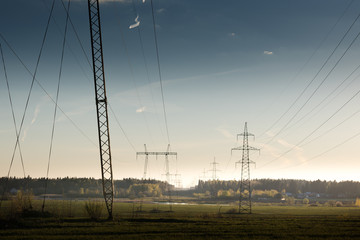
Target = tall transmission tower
(101,104)
(245,184)
(214,169)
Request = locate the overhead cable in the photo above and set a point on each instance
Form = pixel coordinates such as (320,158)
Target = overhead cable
(317,88)
(316,129)
(146,67)
(159,70)
(44,90)
(55,106)
(303,67)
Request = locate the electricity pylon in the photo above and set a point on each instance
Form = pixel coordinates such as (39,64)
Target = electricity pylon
(203,177)
(245,185)
(146,161)
(166,154)
(167,169)
(214,169)
(101,104)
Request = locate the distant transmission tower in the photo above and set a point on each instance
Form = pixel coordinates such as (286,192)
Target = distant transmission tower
(177,182)
(214,169)
(146,153)
(203,176)
(167,170)
(245,186)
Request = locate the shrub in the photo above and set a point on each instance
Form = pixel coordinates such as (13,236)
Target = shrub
(305,201)
(19,204)
(290,200)
(331,203)
(232,211)
(357,202)
(339,204)
(94,209)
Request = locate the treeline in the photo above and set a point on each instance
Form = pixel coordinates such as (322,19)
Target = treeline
(277,187)
(84,187)
(136,188)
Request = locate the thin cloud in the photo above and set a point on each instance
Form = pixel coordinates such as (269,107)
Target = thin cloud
(140,110)
(35,116)
(268,53)
(158,27)
(288,145)
(77,112)
(225,133)
(161,10)
(232,34)
(136,24)
(274,152)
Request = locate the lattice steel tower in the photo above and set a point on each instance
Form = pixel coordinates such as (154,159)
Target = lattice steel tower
(101,104)
(214,169)
(245,185)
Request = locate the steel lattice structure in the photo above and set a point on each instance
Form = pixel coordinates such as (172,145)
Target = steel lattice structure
(166,154)
(167,169)
(101,104)
(245,184)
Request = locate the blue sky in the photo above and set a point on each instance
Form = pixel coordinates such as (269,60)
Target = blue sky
(223,63)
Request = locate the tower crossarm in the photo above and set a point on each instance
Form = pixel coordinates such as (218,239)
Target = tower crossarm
(244,135)
(157,153)
(245,148)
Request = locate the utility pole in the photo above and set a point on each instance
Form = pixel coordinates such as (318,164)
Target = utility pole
(167,168)
(245,184)
(178,182)
(203,177)
(146,161)
(101,104)
(166,154)
(214,170)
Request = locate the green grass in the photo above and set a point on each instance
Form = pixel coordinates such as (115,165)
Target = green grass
(188,222)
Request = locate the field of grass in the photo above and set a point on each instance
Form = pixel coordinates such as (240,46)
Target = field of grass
(69,221)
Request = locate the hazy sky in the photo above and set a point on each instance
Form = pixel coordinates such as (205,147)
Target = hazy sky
(223,63)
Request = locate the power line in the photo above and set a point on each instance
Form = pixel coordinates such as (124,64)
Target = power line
(44,90)
(322,101)
(328,150)
(303,67)
(16,130)
(146,66)
(56,102)
(159,70)
(35,72)
(313,93)
(333,128)
(76,34)
(68,45)
(13,116)
(89,64)
(309,135)
(122,129)
(31,86)
(134,81)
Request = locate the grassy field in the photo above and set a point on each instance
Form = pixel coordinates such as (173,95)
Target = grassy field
(69,221)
